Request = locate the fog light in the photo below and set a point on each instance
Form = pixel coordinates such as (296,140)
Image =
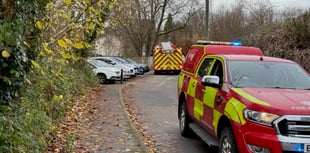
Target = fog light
(258,149)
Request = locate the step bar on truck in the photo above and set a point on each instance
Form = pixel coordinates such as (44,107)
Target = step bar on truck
(205,136)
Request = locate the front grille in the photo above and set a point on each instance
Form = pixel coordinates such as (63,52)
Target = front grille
(293,126)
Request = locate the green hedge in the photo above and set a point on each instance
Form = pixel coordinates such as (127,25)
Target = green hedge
(44,100)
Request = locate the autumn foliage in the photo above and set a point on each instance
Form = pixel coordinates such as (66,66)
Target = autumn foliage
(42,67)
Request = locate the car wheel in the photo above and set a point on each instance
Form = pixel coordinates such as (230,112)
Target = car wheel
(102,78)
(184,121)
(227,141)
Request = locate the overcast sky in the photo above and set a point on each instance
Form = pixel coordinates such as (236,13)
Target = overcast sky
(278,4)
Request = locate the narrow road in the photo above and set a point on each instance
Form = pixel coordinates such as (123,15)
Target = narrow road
(105,127)
(155,98)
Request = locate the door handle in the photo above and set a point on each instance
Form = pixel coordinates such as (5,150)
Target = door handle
(218,99)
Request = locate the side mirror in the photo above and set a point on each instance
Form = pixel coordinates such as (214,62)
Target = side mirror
(211,80)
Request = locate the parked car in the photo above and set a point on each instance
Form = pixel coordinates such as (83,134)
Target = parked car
(137,65)
(128,71)
(142,67)
(123,61)
(105,72)
(146,68)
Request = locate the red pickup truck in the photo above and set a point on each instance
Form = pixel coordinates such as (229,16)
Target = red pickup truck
(237,99)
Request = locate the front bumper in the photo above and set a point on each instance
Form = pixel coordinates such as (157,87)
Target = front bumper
(252,134)
(294,144)
(115,78)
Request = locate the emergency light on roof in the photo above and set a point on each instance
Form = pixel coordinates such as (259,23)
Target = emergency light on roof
(206,42)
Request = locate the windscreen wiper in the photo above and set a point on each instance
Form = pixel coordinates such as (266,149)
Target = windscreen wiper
(279,87)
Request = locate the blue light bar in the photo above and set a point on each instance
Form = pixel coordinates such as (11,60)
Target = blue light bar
(299,148)
(205,42)
(236,43)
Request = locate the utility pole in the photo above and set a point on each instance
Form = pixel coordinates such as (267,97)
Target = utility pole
(207,19)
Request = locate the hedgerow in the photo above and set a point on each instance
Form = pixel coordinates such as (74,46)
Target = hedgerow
(42,66)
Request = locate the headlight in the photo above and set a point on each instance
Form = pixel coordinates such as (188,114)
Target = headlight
(260,117)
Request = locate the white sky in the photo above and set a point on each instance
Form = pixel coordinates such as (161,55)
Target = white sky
(278,4)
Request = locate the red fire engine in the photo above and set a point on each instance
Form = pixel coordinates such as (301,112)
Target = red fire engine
(167,58)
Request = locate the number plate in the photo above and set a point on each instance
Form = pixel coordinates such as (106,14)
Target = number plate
(307,148)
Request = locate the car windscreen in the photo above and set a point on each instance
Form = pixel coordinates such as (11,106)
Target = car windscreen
(263,74)
(99,63)
(118,60)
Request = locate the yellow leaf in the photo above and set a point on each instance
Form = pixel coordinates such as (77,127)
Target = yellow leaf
(110,6)
(39,25)
(65,55)
(42,72)
(5,54)
(35,64)
(86,1)
(88,45)
(62,43)
(78,45)
(46,49)
(90,27)
(68,2)
(68,41)
(26,44)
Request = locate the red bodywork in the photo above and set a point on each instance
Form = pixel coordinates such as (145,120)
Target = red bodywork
(282,101)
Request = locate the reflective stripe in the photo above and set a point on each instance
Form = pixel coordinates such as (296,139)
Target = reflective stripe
(209,96)
(234,110)
(216,118)
(191,89)
(168,61)
(250,97)
(180,81)
(198,109)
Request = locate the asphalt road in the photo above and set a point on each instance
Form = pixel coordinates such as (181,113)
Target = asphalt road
(156,100)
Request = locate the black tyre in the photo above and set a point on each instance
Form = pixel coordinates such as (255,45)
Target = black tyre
(227,141)
(102,78)
(184,121)
(157,72)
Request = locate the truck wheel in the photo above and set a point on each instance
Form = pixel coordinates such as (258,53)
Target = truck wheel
(184,121)
(102,78)
(227,141)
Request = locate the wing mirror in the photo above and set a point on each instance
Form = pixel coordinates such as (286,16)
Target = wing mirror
(211,80)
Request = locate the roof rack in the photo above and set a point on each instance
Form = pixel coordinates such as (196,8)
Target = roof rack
(206,42)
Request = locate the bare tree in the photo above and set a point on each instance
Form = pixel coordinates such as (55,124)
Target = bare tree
(227,25)
(140,23)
